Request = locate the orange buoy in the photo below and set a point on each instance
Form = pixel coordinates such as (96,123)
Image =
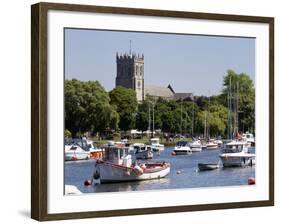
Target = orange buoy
(251,181)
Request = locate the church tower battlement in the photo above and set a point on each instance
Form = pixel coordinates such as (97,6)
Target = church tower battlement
(130,73)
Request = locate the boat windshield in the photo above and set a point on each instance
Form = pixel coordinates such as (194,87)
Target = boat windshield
(154,141)
(181,143)
(142,148)
(233,148)
(114,154)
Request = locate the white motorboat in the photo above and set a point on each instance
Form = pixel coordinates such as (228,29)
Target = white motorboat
(155,144)
(118,166)
(182,148)
(249,138)
(218,142)
(211,145)
(83,148)
(74,152)
(235,153)
(143,151)
(196,146)
(132,146)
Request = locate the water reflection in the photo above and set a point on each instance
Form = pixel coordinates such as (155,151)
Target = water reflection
(184,174)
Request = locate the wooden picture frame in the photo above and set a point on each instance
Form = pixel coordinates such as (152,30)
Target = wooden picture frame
(39,110)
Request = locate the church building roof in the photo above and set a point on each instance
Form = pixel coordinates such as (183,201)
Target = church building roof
(158,91)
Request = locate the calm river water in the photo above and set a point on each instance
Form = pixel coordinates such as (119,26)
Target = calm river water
(183,174)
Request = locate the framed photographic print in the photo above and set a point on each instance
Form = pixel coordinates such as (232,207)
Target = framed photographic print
(141,111)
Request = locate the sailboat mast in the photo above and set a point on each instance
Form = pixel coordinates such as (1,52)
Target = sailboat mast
(181,119)
(205,126)
(230,110)
(192,125)
(237,106)
(153,120)
(149,118)
(208,125)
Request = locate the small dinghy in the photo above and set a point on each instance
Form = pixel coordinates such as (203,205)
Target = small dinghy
(207,166)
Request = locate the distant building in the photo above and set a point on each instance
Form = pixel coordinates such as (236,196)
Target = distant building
(130,74)
(159,91)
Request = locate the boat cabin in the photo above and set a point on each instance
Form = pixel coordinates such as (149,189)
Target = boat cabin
(234,147)
(154,141)
(182,144)
(117,155)
(142,148)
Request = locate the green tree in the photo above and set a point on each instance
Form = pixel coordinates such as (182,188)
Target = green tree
(142,116)
(242,87)
(215,119)
(87,107)
(125,102)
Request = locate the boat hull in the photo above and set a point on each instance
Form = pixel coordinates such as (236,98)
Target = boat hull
(71,156)
(111,173)
(182,150)
(212,147)
(196,148)
(209,166)
(237,161)
(157,148)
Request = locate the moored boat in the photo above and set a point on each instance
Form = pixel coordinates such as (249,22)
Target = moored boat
(74,152)
(118,166)
(196,146)
(155,144)
(143,151)
(249,138)
(182,148)
(207,166)
(211,145)
(235,153)
(218,142)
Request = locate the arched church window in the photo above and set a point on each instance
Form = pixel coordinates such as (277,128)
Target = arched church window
(137,70)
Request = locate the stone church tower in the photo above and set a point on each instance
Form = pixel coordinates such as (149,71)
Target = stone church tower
(130,73)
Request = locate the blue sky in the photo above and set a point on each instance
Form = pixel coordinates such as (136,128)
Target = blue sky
(190,63)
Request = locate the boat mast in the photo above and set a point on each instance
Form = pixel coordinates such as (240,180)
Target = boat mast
(230,134)
(192,125)
(205,126)
(207,121)
(237,107)
(153,120)
(181,119)
(149,119)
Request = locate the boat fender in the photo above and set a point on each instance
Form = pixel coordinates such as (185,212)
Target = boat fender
(87,182)
(143,166)
(251,181)
(138,170)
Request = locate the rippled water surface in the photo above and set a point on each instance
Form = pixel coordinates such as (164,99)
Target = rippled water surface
(184,174)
